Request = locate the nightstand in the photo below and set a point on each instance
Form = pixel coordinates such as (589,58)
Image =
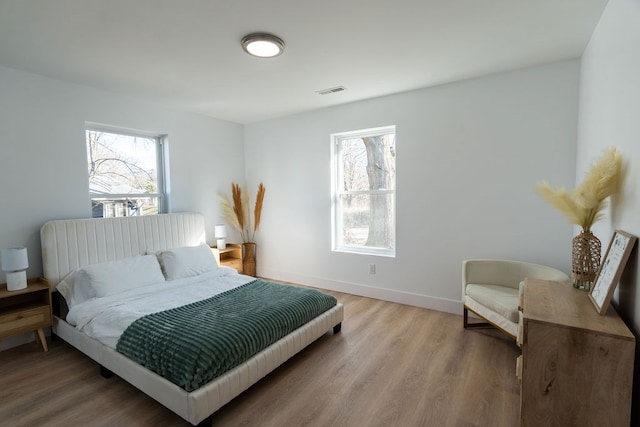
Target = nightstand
(25,310)
(231,256)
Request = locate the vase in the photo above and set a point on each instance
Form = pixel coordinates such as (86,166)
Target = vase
(585,260)
(249,259)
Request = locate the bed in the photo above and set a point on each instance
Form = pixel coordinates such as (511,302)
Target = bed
(70,246)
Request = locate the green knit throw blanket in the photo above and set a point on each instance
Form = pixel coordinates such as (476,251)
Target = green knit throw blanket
(195,343)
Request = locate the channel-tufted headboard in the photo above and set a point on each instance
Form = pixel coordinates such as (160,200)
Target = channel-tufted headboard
(73,243)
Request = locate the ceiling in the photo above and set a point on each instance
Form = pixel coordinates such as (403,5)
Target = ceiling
(187,53)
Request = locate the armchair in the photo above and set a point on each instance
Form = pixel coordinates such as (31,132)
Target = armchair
(490,289)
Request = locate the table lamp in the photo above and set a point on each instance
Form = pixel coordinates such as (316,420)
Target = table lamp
(14,263)
(221,234)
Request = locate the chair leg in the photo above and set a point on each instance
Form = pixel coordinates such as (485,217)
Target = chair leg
(467,325)
(465,317)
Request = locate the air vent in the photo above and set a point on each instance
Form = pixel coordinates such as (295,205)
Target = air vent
(331,90)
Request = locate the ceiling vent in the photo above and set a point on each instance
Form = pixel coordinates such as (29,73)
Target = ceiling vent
(331,90)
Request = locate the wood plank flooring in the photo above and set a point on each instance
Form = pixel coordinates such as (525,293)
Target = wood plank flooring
(392,365)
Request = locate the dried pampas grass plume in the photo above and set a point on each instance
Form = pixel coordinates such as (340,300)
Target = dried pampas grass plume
(228,213)
(237,214)
(601,181)
(257,211)
(238,210)
(585,205)
(561,200)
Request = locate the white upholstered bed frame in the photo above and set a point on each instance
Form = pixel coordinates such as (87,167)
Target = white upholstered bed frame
(70,244)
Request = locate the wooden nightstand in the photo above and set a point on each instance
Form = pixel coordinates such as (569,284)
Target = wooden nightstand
(25,310)
(231,256)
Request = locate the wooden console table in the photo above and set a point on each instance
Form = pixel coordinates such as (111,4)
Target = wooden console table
(576,366)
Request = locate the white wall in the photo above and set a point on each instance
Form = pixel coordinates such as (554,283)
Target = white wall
(468,157)
(469,154)
(610,115)
(43,170)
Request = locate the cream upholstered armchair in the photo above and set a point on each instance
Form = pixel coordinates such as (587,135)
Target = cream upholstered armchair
(490,289)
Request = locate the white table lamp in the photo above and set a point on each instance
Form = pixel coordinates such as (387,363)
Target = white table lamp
(14,263)
(221,234)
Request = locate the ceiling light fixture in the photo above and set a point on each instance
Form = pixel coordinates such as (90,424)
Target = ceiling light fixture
(262,45)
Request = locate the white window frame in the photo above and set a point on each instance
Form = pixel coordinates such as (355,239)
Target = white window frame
(161,141)
(337,192)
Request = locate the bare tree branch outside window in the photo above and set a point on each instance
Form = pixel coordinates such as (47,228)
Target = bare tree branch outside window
(122,172)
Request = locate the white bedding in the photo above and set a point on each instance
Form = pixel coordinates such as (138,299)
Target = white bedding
(106,318)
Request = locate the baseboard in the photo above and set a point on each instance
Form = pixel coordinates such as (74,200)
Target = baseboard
(385,294)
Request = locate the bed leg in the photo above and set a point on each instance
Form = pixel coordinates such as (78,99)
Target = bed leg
(105,372)
(207,422)
(337,328)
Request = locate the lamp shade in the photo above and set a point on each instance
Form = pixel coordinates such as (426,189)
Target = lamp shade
(221,231)
(15,259)
(15,262)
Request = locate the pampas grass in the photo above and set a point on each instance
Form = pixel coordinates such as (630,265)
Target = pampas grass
(238,205)
(237,214)
(257,210)
(228,213)
(584,206)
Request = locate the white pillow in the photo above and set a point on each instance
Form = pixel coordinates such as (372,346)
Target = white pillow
(109,278)
(187,261)
(65,287)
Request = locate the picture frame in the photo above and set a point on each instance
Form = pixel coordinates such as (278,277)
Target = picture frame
(611,269)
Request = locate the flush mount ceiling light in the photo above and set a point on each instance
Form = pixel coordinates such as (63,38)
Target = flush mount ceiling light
(262,45)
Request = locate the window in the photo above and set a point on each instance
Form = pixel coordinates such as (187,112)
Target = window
(363,190)
(126,173)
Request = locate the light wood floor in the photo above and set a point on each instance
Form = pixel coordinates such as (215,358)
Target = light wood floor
(392,365)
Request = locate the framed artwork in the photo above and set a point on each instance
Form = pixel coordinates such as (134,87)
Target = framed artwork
(611,269)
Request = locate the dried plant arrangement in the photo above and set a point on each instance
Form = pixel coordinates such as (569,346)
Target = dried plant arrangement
(584,206)
(237,214)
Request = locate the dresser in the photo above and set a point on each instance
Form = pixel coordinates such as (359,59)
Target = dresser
(576,366)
